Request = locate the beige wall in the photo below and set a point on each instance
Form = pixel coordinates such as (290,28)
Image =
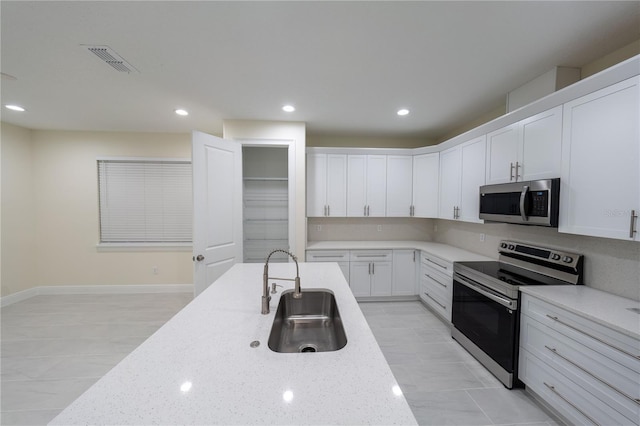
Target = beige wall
(59,172)
(280,130)
(18,253)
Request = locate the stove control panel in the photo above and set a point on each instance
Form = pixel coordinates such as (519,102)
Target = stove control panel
(552,256)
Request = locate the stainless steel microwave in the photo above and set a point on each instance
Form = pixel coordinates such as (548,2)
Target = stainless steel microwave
(532,202)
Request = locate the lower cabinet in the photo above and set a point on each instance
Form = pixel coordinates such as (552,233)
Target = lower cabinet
(371,273)
(404,272)
(339,256)
(587,372)
(436,284)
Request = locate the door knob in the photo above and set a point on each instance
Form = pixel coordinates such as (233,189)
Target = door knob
(198,258)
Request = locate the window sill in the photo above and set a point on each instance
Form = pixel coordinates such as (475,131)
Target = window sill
(107,247)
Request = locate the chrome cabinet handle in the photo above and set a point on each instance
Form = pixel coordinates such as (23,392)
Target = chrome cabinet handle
(443,285)
(369,268)
(555,352)
(523,196)
(511,172)
(328,210)
(593,337)
(518,165)
(438,303)
(367,210)
(632,229)
(553,389)
(325,209)
(437,264)
(373,268)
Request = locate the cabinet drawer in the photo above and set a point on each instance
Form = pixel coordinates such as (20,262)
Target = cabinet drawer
(609,381)
(435,262)
(434,297)
(607,342)
(569,399)
(371,255)
(327,256)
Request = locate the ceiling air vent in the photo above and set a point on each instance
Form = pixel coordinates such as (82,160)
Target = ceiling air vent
(110,57)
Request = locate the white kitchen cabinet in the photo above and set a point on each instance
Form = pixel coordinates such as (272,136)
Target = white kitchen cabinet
(366,185)
(436,284)
(586,371)
(341,257)
(462,172)
(326,185)
(399,186)
(404,273)
(526,150)
(600,179)
(370,272)
(426,170)
(450,178)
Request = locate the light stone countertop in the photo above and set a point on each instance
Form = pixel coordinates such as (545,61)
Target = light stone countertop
(443,251)
(199,368)
(604,308)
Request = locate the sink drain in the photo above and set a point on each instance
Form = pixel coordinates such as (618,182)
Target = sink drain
(308,348)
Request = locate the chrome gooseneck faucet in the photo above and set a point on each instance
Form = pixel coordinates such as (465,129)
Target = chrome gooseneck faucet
(266,298)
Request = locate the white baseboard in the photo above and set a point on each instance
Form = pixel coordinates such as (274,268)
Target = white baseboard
(95,289)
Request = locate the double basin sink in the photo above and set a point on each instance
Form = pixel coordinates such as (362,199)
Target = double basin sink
(311,323)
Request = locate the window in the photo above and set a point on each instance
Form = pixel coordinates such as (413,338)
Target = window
(145,201)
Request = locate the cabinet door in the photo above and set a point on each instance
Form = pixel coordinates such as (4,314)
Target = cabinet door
(600,179)
(376,185)
(360,278)
(316,184)
(502,154)
(381,277)
(336,185)
(449,182)
(404,273)
(425,185)
(541,145)
(356,185)
(472,177)
(399,185)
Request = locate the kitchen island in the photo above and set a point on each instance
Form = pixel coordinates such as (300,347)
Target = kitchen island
(199,368)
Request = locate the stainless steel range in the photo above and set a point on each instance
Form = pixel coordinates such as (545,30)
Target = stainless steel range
(485,308)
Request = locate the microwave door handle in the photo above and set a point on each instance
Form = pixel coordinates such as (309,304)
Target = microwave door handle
(523,197)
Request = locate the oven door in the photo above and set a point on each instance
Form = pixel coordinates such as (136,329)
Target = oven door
(488,319)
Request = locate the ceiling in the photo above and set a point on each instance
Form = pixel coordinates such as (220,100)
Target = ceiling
(347,67)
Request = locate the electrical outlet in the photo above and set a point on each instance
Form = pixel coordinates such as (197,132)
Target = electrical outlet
(482,238)
(435,228)
(319,228)
(379,228)
(155,270)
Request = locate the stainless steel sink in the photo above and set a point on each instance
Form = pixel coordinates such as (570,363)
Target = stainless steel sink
(311,323)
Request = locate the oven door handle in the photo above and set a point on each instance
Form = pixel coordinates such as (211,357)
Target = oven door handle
(511,304)
(523,197)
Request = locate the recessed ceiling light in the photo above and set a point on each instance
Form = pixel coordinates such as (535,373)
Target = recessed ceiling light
(182,112)
(15,108)
(288,108)
(403,111)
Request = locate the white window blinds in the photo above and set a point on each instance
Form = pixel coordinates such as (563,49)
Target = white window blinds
(145,201)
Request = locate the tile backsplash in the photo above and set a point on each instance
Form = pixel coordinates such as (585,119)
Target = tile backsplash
(610,265)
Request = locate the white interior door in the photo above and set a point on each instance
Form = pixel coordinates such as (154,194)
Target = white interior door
(217,207)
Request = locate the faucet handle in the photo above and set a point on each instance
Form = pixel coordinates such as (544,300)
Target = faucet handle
(273,287)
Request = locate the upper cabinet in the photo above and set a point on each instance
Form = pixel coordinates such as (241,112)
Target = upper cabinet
(526,150)
(462,172)
(366,185)
(326,185)
(399,186)
(600,180)
(426,178)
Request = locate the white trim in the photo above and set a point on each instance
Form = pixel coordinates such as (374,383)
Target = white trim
(136,159)
(95,289)
(187,247)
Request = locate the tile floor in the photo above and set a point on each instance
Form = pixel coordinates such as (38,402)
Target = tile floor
(55,347)
(442,382)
